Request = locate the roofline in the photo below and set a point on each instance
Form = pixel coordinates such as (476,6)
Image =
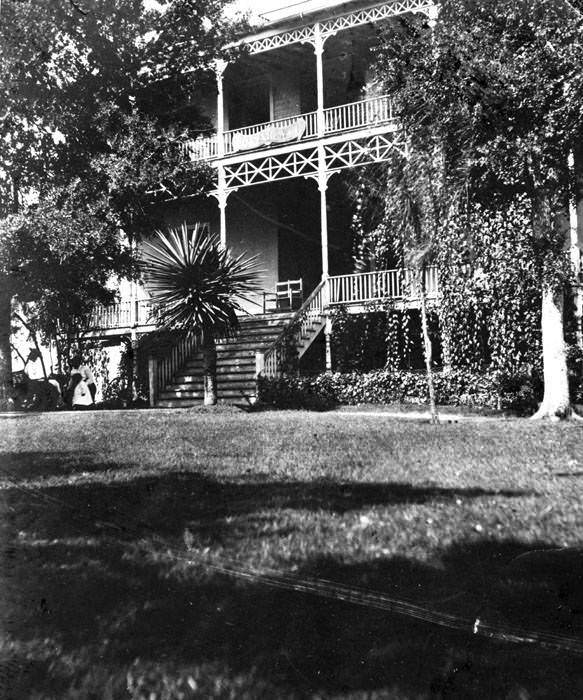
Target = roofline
(283,25)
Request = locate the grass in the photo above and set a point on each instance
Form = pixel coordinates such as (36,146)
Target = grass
(115,526)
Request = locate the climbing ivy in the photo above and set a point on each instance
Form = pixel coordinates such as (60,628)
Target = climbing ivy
(490,289)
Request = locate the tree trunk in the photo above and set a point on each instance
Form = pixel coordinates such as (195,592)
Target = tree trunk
(547,231)
(32,336)
(5,349)
(427,346)
(209,371)
(555,403)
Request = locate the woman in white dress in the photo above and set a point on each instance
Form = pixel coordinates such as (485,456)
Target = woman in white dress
(81,396)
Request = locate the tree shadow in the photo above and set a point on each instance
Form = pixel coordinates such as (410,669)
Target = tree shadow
(85,604)
(75,495)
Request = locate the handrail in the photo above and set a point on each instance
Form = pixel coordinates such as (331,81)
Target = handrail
(360,287)
(161,370)
(298,127)
(121,315)
(380,284)
(271,361)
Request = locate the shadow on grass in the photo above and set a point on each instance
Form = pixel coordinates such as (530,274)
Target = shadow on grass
(85,608)
(100,497)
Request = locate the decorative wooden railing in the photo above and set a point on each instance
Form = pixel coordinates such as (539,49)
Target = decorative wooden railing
(123,314)
(303,127)
(369,287)
(305,324)
(251,138)
(355,115)
(202,148)
(357,289)
(161,370)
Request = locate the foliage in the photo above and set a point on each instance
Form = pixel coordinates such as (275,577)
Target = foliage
(118,391)
(384,336)
(197,282)
(359,341)
(490,289)
(95,105)
(70,77)
(498,86)
(58,261)
(460,387)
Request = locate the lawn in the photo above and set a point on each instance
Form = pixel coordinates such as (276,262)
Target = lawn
(117,529)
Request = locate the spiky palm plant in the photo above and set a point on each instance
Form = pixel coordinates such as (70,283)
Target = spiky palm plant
(198,284)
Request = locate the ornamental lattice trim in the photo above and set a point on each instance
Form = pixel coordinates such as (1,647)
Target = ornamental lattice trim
(294,164)
(331,26)
(338,156)
(350,154)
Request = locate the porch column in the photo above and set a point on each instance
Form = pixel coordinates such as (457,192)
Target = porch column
(319,51)
(222,195)
(319,40)
(323,186)
(220,66)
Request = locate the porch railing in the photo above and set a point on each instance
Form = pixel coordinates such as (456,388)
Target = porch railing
(161,370)
(375,110)
(250,138)
(122,314)
(301,127)
(303,324)
(365,287)
(359,288)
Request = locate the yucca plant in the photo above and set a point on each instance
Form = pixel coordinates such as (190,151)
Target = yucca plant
(198,284)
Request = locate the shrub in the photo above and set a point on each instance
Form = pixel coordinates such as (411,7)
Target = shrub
(456,387)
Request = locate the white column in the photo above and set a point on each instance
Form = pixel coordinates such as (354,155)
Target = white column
(323,186)
(222,195)
(220,66)
(319,51)
(319,40)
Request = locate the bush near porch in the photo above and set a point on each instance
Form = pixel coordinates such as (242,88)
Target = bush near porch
(456,387)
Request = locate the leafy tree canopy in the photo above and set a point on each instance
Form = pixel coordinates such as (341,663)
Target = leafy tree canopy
(498,86)
(61,259)
(71,72)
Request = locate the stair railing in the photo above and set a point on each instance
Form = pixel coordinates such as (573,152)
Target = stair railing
(161,370)
(272,362)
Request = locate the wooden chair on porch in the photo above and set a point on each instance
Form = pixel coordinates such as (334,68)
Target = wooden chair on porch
(289,295)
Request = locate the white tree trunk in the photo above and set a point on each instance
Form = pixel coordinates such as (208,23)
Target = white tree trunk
(555,402)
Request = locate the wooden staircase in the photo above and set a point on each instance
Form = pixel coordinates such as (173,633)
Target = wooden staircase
(236,365)
(272,345)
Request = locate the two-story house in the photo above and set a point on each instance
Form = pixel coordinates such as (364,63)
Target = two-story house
(297,107)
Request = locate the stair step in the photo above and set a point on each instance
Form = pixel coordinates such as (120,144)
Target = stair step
(261,336)
(267,319)
(249,345)
(260,330)
(236,380)
(226,363)
(195,383)
(222,373)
